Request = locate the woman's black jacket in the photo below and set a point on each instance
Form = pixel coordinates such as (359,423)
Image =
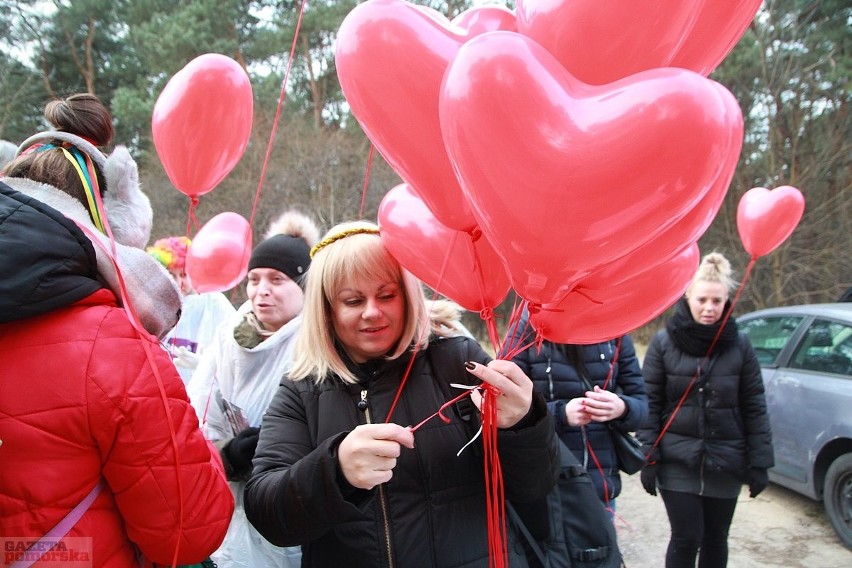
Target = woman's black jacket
(555,376)
(723,423)
(433,511)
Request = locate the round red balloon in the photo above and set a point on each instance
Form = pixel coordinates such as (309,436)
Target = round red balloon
(218,257)
(461,266)
(202,122)
(765,218)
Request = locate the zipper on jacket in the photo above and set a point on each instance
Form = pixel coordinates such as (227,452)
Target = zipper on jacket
(365,407)
(549,375)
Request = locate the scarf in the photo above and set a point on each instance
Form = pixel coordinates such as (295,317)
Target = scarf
(695,338)
(250,333)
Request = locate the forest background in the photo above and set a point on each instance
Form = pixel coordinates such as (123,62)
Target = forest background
(790,73)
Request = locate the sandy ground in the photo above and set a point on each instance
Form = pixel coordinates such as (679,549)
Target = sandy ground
(778,529)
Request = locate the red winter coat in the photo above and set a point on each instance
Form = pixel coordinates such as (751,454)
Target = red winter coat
(80,401)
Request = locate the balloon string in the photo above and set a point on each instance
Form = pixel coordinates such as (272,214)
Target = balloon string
(599,467)
(493,474)
(281,97)
(401,385)
(494,494)
(513,345)
(366,181)
(191,219)
(440,412)
(486,313)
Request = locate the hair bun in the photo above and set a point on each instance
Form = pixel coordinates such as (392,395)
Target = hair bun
(82,114)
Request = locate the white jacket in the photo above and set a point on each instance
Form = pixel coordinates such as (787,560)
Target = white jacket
(200,318)
(229,374)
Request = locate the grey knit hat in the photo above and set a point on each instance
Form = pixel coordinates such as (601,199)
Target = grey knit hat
(290,255)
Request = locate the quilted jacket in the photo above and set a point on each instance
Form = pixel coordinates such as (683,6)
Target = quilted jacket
(722,424)
(554,375)
(86,396)
(432,513)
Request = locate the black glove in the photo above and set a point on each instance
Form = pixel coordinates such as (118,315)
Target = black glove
(649,479)
(239,451)
(758,479)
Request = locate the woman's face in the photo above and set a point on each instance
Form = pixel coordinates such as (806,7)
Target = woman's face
(182,280)
(706,301)
(275,299)
(368,317)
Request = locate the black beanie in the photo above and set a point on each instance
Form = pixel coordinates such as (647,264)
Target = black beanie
(290,255)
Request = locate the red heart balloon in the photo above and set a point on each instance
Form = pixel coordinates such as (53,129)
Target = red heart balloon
(218,257)
(390,57)
(600,41)
(718,27)
(564,177)
(671,242)
(202,122)
(765,218)
(461,266)
(592,315)
(481,19)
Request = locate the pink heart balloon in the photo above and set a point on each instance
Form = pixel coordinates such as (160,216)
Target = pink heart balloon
(765,218)
(718,27)
(390,57)
(600,41)
(672,241)
(219,255)
(591,315)
(202,122)
(564,177)
(481,19)
(461,266)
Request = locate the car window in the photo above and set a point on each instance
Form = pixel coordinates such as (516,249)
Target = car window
(769,335)
(826,348)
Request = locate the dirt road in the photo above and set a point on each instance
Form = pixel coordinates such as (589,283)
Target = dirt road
(778,529)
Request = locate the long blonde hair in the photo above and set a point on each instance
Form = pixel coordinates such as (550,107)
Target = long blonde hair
(349,251)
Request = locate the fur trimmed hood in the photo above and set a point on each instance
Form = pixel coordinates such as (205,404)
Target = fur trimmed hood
(151,290)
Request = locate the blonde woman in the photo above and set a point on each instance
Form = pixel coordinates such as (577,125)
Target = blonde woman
(719,438)
(341,474)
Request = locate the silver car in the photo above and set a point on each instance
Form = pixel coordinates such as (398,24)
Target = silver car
(805,353)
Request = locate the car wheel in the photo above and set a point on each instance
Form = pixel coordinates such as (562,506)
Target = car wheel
(837,497)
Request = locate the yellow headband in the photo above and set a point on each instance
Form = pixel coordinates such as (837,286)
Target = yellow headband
(342,234)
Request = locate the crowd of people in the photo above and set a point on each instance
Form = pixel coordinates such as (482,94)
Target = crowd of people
(337,417)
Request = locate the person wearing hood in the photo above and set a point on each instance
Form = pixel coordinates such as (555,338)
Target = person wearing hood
(98,441)
(240,371)
(707,427)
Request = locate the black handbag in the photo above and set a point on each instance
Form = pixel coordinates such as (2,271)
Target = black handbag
(631,457)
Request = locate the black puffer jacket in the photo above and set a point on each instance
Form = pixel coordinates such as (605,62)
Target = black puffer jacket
(723,424)
(433,510)
(558,380)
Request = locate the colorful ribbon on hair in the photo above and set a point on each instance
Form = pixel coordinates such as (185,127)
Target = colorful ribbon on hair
(88,178)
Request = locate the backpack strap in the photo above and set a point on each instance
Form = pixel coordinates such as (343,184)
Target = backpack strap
(54,535)
(533,544)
